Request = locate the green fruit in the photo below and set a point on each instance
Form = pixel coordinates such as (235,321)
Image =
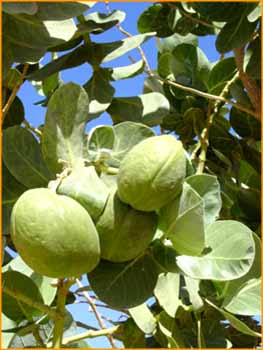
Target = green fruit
(124,232)
(54,234)
(151,174)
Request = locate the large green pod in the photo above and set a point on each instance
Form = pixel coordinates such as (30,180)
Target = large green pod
(124,232)
(151,174)
(54,234)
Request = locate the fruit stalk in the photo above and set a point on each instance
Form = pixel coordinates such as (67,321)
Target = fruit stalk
(59,323)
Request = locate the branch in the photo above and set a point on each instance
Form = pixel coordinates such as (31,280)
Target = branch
(205,95)
(35,304)
(30,127)
(90,334)
(14,92)
(204,138)
(96,313)
(129,35)
(249,84)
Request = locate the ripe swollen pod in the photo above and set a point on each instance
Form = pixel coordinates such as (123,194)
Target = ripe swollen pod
(54,234)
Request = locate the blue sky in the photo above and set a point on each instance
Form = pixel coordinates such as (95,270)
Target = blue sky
(35,114)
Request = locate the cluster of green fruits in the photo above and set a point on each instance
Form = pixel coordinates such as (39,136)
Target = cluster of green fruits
(58,235)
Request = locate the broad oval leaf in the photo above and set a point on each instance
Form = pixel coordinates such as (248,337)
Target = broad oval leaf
(124,285)
(11,188)
(28,8)
(183,222)
(100,139)
(148,109)
(125,72)
(63,134)
(22,156)
(102,53)
(247,301)
(167,292)
(231,256)
(208,188)
(21,284)
(242,296)
(100,93)
(97,23)
(144,318)
(220,74)
(61,11)
(235,322)
(234,34)
(127,135)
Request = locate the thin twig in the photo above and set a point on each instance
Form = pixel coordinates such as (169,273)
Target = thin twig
(38,338)
(129,35)
(30,127)
(180,86)
(35,304)
(206,95)
(91,334)
(212,112)
(249,84)
(96,313)
(14,92)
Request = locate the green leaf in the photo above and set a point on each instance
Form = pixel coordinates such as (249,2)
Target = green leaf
(97,23)
(143,317)
(165,256)
(220,74)
(84,185)
(70,60)
(124,285)
(247,301)
(169,328)
(252,59)
(6,215)
(192,287)
(11,188)
(22,156)
(182,221)
(127,135)
(208,188)
(19,283)
(13,8)
(235,322)
(102,53)
(63,134)
(255,14)
(170,43)
(155,18)
(12,79)
(235,300)
(244,124)
(43,283)
(235,34)
(100,93)
(126,72)
(62,11)
(100,139)
(227,12)
(167,292)
(15,114)
(32,47)
(148,109)
(231,256)
(132,336)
